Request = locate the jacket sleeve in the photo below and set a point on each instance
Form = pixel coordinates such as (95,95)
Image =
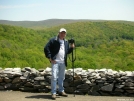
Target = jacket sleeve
(69,48)
(47,49)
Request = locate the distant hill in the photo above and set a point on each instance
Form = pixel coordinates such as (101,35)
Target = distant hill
(51,22)
(104,44)
(39,24)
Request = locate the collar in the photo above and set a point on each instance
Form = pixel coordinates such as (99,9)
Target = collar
(57,38)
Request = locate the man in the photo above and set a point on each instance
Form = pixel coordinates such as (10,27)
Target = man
(56,51)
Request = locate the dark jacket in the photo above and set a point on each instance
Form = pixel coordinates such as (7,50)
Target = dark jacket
(53,46)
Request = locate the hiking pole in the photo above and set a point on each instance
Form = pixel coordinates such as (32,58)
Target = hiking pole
(73,59)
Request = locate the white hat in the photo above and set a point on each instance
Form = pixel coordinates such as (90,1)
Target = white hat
(62,30)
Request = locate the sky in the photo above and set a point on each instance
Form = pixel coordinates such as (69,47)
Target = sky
(38,10)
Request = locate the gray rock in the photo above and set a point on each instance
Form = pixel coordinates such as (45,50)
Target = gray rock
(23,70)
(39,86)
(69,71)
(129,73)
(78,71)
(104,79)
(1,70)
(66,84)
(119,85)
(122,73)
(36,82)
(130,80)
(83,86)
(7,80)
(104,70)
(16,80)
(1,88)
(43,83)
(26,75)
(28,69)
(48,69)
(87,82)
(77,77)
(130,91)
(39,78)
(94,88)
(8,85)
(16,72)
(132,88)
(100,81)
(1,79)
(48,79)
(28,84)
(27,89)
(34,72)
(75,83)
(130,84)
(83,91)
(95,93)
(70,89)
(41,70)
(91,70)
(117,75)
(10,75)
(102,75)
(118,90)
(7,71)
(107,87)
(23,79)
(104,93)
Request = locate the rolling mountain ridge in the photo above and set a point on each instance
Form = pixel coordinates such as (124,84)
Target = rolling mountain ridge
(51,22)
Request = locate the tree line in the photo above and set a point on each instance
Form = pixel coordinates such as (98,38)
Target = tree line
(98,45)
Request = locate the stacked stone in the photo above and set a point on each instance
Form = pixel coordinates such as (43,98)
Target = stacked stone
(26,79)
(109,82)
(9,78)
(92,81)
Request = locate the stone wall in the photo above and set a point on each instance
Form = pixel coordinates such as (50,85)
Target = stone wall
(99,82)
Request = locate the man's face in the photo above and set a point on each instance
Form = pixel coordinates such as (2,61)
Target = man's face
(62,35)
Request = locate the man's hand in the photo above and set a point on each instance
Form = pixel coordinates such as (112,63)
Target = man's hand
(72,45)
(52,61)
